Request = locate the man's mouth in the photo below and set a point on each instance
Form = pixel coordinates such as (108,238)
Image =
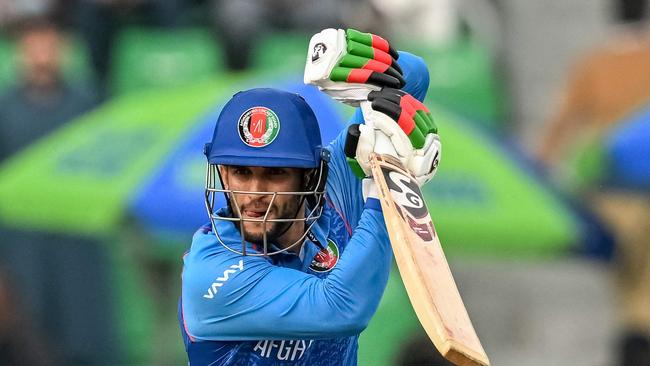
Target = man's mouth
(256,214)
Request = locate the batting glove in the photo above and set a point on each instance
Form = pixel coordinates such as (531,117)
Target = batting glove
(399,125)
(347,65)
(368,186)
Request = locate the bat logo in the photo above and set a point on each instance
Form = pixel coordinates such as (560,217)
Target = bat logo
(318,51)
(409,202)
(406,193)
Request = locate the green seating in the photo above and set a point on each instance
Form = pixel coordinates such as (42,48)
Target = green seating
(280,53)
(6,63)
(154,58)
(462,79)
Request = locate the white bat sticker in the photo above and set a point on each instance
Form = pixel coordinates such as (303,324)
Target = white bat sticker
(406,194)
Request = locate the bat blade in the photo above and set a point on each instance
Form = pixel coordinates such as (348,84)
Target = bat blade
(422,264)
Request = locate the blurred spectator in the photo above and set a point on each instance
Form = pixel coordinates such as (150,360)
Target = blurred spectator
(98,22)
(239,23)
(41,100)
(13,11)
(439,22)
(606,86)
(19,344)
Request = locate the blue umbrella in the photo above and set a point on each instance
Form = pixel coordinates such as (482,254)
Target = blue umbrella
(628,152)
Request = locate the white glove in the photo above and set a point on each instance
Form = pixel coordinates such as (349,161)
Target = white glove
(388,117)
(347,65)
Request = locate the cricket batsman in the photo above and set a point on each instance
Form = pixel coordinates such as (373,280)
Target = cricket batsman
(292,269)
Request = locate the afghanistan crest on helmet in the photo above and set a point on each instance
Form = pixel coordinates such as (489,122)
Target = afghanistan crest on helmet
(258,126)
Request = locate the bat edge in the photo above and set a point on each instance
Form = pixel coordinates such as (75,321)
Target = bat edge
(426,312)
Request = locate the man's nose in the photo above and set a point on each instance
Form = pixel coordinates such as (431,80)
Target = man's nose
(258,185)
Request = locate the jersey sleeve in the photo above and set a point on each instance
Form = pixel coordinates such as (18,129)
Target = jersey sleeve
(232,297)
(343,187)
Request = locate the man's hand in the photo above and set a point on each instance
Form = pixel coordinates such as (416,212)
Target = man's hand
(347,65)
(399,125)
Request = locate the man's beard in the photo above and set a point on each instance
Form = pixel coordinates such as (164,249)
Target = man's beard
(274,230)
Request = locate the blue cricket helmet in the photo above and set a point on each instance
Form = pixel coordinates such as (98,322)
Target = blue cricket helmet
(266,127)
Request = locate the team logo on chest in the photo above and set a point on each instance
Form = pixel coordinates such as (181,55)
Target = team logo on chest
(258,126)
(326,258)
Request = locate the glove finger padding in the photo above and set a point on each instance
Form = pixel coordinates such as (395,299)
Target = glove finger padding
(410,114)
(404,128)
(372,40)
(372,59)
(349,64)
(424,162)
(391,140)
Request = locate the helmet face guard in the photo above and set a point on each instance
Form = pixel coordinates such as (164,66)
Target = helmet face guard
(313,196)
(267,127)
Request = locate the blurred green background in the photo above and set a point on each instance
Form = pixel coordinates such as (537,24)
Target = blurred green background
(532,261)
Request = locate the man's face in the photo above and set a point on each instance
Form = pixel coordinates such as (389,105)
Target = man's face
(40,56)
(255,206)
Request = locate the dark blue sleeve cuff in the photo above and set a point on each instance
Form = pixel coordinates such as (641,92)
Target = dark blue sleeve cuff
(373,204)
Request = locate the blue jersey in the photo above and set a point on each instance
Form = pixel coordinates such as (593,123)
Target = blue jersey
(288,309)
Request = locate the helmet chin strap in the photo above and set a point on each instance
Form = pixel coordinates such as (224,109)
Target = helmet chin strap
(295,214)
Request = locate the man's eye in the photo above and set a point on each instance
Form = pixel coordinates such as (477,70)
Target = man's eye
(241,171)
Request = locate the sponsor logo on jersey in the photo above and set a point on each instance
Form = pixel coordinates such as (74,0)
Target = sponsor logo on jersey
(286,350)
(318,51)
(326,258)
(212,290)
(258,126)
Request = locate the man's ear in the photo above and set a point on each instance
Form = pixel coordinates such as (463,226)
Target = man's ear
(223,172)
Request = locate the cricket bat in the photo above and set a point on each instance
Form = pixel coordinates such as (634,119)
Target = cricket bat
(422,264)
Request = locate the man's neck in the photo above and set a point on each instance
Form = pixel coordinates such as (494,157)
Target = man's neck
(295,233)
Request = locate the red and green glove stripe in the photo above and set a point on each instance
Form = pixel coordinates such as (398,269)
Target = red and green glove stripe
(369,59)
(410,114)
(372,40)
